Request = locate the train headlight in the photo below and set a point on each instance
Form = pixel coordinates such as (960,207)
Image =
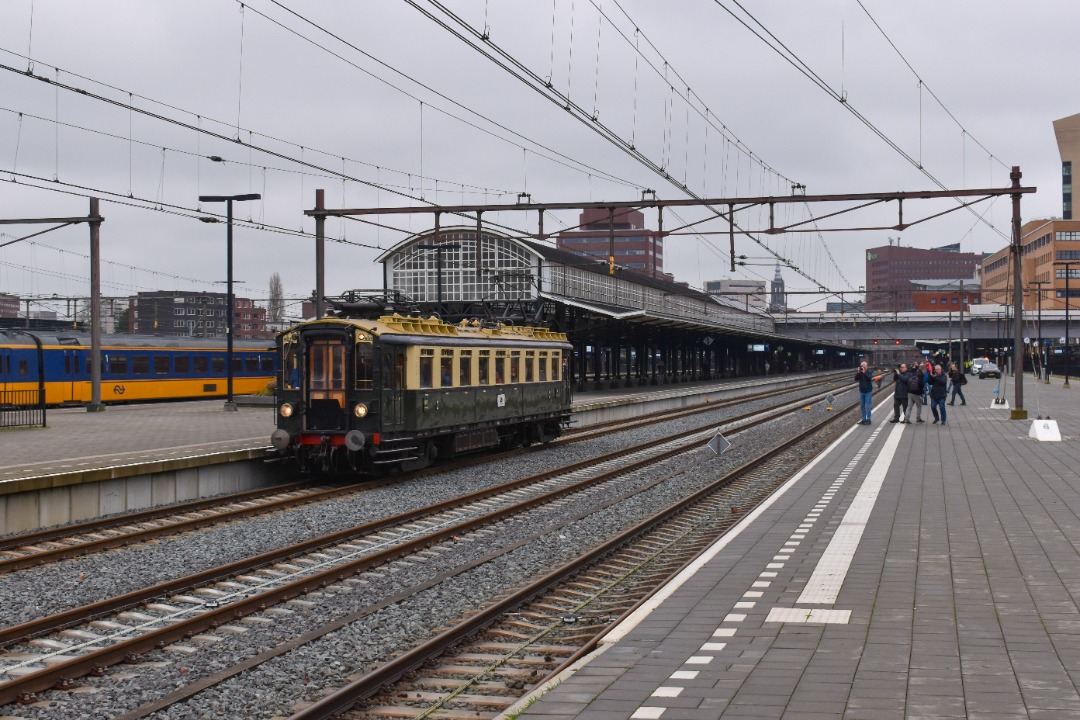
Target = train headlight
(360,410)
(286,410)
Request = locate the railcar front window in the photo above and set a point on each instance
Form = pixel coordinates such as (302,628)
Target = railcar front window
(326,371)
(365,359)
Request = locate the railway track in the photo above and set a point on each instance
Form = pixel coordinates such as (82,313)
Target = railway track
(483,666)
(55,544)
(56,650)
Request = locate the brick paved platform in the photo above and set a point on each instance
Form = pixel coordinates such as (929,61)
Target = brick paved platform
(912,571)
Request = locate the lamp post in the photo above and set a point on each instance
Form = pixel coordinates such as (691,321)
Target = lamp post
(230,405)
(1068,271)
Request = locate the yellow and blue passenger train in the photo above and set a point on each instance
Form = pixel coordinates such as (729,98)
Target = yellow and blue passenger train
(133,367)
(392,392)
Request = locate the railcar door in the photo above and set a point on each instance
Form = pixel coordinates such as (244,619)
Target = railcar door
(5,368)
(326,384)
(393,387)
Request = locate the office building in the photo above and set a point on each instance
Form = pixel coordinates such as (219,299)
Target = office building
(890,270)
(633,246)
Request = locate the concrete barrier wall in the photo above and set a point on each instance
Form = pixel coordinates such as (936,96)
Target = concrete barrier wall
(47,506)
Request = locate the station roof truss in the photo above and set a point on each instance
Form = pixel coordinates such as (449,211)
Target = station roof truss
(562,277)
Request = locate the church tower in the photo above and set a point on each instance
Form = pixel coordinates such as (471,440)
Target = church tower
(777,302)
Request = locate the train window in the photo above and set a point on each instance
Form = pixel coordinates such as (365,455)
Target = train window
(266,364)
(500,367)
(24,369)
(217,363)
(251,363)
(140,365)
(161,364)
(117,364)
(182,364)
(465,368)
(543,366)
(555,366)
(326,371)
(530,363)
(290,366)
(201,363)
(446,368)
(67,364)
(427,363)
(515,366)
(78,364)
(482,367)
(399,372)
(237,364)
(365,366)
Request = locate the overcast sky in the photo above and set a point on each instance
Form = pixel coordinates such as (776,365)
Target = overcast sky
(391,97)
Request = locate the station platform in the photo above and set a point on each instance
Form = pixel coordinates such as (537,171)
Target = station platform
(909,571)
(83,465)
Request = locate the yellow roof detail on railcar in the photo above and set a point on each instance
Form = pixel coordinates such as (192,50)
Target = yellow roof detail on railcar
(393,324)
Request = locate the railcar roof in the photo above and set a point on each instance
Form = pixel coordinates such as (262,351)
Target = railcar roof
(434,327)
(80,339)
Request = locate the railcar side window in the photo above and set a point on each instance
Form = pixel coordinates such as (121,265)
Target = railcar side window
(118,365)
(201,363)
(161,364)
(24,369)
(427,369)
(465,368)
(555,366)
(399,372)
(251,363)
(266,364)
(515,366)
(530,362)
(500,367)
(140,365)
(483,367)
(181,363)
(446,368)
(365,371)
(67,364)
(237,363)
(543,366)
(217,363)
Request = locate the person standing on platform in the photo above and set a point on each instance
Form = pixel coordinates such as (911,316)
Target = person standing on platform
(900,393)
(866,392)
(939,388)
(915,392)
(958,381)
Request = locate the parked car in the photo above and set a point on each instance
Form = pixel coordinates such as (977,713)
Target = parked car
(976,365)
(989,369)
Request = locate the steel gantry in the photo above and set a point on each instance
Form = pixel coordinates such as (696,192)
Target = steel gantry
(726,209)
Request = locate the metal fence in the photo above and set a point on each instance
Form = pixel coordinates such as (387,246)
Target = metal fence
(22,408)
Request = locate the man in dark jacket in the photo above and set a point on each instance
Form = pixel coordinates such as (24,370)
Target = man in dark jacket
(939,388)
(900,393)
(866,392)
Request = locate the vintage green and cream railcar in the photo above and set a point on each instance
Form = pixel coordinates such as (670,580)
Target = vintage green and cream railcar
(398,392)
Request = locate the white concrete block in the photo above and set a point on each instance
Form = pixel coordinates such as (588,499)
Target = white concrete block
(1045,431)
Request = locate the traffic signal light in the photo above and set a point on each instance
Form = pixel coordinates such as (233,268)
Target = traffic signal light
(875,342)
(896,341)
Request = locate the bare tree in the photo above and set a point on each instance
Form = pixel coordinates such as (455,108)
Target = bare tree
(276,307)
